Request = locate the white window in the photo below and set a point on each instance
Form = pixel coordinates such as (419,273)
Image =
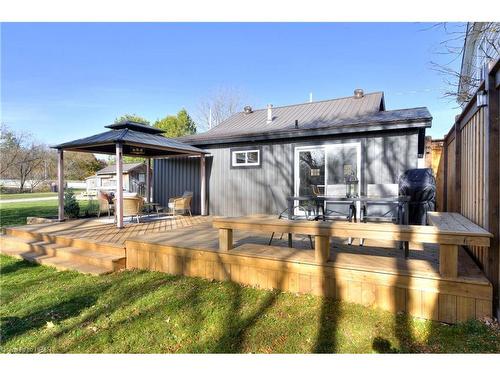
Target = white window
(245,158)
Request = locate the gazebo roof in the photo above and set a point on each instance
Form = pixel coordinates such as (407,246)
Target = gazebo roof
(137,140)
(132,125)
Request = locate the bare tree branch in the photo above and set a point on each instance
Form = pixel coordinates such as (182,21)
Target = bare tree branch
(220,105)
(483,46)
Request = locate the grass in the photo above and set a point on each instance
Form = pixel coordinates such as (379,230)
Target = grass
(16,213)
(33,195)
(43,310)
(27,195)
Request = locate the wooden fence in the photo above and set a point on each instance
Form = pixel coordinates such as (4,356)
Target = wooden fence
(470,174)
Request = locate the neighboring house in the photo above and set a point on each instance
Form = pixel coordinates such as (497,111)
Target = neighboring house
(134,179)
(481,47)
(259,157)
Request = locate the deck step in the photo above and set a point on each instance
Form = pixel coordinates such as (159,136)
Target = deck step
(61,257)
(82,243)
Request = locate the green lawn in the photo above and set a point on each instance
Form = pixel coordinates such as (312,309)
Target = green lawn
(26,195)
(43,310)
(16,213)
(33,195)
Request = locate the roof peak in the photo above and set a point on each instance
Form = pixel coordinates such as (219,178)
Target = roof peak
(133,125)
(319,101)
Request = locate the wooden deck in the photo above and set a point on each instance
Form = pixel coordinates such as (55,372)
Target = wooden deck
(376,274)
(379,256)
(104,231)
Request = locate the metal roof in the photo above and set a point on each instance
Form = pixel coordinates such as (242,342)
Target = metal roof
(135,126)
(317,118)
(135,143)
(127,167)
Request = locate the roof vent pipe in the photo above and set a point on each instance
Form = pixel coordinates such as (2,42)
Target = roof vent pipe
(358,93)
(247,109)
(296,124)
(269,113)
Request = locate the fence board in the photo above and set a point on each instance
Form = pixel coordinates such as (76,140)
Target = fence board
(471,178)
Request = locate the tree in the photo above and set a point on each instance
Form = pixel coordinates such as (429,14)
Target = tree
(43,171)
(79,165)
(10,148)
(484,44)
(218,106)
(22,157)
(71,205)
(176,126)
(29,162)
(127,160)
(132,117)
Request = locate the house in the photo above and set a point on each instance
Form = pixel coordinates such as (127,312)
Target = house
(134,179)
(259,157)
(481,47)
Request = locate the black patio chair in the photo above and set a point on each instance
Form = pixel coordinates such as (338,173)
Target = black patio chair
(307,209)
(334,213)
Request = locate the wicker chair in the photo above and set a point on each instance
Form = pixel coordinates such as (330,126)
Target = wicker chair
(180,204)
(132,206)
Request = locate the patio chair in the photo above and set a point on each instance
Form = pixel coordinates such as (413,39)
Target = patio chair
(132,206)
(105,204)
(306,209)
(178,204)
(340,210)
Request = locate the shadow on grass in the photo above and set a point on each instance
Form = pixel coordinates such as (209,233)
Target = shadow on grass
(16,266)
(383,346)
(12,326)
(326,340)
(236,327)
(118,294)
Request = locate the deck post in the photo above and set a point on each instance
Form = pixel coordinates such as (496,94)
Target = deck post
(203,186)
(225,239)
(119,186)
(148,181)
(60,184)
(321,249)
(448,260)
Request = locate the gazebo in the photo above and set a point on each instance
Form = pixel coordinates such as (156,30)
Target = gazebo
(132,139)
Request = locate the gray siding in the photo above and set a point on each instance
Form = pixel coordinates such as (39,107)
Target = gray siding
(235,192)
(172,177)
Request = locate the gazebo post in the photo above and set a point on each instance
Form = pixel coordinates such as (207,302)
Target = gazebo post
(203,185)
(148,181)
(60,183)
(119,186)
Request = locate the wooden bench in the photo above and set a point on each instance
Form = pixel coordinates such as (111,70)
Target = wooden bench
(444,232)
(454,223)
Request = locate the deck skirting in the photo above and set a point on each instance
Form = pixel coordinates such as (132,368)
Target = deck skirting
(430,297)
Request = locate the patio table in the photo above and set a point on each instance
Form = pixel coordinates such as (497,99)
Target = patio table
(150,207)
(402,202)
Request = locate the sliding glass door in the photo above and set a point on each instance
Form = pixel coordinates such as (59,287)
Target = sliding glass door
(310,171)
(343,162)
(322,170)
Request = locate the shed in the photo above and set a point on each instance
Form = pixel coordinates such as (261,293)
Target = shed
(134,178)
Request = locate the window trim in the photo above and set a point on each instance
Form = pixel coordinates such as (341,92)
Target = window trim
(246,150)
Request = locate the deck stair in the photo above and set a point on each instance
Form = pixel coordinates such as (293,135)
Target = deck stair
(63,253)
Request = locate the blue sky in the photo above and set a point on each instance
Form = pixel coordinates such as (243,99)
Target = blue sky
(63,81)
